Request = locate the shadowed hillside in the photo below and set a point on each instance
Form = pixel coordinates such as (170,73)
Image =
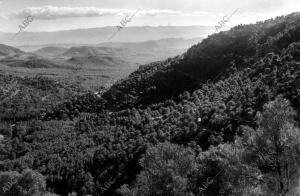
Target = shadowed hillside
(207,61)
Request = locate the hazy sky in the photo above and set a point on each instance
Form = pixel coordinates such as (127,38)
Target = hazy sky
(53,15)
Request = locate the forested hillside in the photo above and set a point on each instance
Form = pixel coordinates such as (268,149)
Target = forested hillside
(219,119)
(207,61)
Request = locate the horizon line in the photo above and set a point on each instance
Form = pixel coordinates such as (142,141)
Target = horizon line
(138,26)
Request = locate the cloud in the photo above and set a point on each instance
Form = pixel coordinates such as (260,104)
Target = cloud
(159,12)
(171,13)
(51,12)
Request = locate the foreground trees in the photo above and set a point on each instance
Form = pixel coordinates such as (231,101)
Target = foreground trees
(265,161)
(167,171)
(276,144)
(28,182)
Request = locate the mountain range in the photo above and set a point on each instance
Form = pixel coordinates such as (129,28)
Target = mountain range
(111,61)
(102,35)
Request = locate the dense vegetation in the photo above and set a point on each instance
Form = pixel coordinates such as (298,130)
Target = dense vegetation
(207,61)
(223,113)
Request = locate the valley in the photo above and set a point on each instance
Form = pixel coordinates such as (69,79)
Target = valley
(90,65)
